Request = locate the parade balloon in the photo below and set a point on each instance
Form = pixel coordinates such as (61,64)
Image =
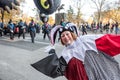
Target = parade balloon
(47,6)
(7,5)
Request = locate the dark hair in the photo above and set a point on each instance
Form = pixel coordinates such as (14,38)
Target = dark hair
(73,35)
(10,21)
(32,20)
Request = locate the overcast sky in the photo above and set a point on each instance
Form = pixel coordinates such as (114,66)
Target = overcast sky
(86,9)
(27,8)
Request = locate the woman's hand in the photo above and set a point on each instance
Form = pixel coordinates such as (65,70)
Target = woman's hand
(50,49)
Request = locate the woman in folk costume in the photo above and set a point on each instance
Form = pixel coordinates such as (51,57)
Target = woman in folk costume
(89,57)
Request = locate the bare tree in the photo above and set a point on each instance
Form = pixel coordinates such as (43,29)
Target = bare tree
(113,11)
(77,6)
(100,6)
(116,15)
(70,14)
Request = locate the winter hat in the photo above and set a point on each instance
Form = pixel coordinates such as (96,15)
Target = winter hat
(44,18)
(68,27)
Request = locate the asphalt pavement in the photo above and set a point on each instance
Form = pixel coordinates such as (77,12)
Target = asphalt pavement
(17,55)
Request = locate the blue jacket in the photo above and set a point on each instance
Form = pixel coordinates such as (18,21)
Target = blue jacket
(32,27)
(11,26)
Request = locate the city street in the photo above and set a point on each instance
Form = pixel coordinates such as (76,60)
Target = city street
(17,55)
(20,47)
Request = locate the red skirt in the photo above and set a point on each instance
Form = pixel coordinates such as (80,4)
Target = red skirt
(75,70)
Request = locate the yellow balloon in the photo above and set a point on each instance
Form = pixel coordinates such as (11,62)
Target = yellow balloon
(43,5)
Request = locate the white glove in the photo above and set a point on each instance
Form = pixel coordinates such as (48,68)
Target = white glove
(48,48)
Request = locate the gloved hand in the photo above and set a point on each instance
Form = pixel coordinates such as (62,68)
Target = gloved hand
(50,49)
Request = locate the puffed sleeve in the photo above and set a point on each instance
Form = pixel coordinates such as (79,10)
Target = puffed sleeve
(110,44)
(51,66)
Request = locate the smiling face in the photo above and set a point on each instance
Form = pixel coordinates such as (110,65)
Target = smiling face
(66,38)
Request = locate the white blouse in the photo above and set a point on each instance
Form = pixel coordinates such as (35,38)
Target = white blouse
(78,48)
